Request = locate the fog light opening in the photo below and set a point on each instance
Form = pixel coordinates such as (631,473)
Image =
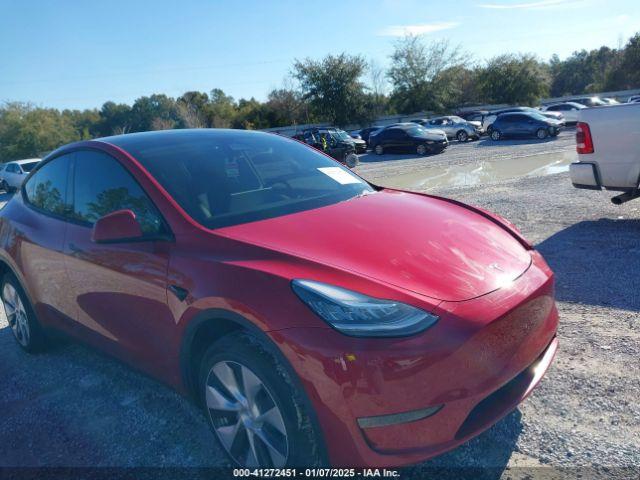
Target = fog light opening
(397,418)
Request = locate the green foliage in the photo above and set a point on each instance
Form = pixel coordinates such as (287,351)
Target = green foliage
(583,71)
(426,77)
(156,112)
(115,119)
(333,87)
(27,131)
(514,80)
(626,74)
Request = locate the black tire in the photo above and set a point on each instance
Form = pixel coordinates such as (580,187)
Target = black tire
(35,340)
(542,133)
(495,135)
(351,160)
(489,130)
(4,186)
(305,447)
(462,136)
(378,149)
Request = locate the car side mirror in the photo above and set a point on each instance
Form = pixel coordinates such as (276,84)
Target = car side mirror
(118,226)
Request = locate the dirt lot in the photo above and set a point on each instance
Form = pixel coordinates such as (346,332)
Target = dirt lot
(74,407)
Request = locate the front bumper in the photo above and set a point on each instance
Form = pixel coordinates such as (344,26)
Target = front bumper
(478,362)
(361,147)
(438,146)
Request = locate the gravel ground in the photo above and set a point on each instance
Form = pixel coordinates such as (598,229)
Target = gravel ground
(72,407)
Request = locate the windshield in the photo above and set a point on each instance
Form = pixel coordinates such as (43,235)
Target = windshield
(457,119)
(416,131)
(342,135)
(27,167)
(227,178)
(538,116)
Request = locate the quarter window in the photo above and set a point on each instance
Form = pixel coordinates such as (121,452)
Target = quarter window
(102,186)
(47,188)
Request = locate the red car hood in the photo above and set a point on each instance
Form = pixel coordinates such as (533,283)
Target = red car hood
(425,245)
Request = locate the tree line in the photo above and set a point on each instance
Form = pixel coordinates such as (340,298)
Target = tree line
(340,89)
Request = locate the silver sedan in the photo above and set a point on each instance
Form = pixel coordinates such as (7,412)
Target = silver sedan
(454,126)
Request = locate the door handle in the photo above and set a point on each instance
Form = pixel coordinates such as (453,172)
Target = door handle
(180,293)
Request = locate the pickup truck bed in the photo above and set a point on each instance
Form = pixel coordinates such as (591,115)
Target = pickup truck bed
(614,163)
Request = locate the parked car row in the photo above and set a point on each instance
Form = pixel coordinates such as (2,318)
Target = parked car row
(435,133)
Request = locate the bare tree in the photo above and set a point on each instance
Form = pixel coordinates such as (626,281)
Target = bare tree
(416,72)
(190,115)
(377,78)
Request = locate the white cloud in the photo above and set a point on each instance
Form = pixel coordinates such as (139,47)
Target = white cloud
(624,18)
(538,4)
(421,29)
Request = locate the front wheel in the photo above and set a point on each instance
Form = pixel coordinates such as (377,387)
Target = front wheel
(495,135)
(379,149)
(20,315)
(351,160)
(542,133)
(4,186)
(253,407)
(421,150)
(462,136)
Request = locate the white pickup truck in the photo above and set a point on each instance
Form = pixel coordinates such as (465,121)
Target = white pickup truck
(608,144)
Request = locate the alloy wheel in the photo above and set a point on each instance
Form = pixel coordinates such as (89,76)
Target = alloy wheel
(542,134)
(422,150)
(379,150)
(245,416)
(462,136)
(16,314)
(495,135)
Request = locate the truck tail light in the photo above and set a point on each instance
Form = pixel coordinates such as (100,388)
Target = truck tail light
(584,142)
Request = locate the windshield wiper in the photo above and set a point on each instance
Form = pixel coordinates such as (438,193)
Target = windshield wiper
(364,193)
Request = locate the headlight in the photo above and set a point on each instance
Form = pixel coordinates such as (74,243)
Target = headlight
(358,315)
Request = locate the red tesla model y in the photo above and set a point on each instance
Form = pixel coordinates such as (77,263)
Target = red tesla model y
(317,319)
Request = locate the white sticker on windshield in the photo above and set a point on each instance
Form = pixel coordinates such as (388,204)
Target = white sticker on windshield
(339,175)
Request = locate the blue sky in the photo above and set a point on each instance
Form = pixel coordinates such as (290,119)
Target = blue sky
(79,54)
